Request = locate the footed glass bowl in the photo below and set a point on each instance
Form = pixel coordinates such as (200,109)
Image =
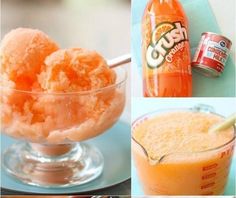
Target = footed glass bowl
(52,128)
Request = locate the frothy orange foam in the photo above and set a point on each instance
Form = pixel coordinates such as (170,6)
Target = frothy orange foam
(178,132)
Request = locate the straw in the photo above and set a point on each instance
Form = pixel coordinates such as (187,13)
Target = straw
(227,123)
(119,60)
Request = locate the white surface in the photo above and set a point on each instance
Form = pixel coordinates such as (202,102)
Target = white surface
(136,81)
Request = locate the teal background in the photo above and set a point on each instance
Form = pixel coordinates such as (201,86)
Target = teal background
(201,19)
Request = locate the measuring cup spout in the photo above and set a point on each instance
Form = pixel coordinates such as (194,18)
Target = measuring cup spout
(138,147)
(142,151)
(154,162)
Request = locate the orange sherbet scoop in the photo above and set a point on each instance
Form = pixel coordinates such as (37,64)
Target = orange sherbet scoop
(23,52)
(76,69)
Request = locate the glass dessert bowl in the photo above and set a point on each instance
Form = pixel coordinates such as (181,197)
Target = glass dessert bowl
(52,128)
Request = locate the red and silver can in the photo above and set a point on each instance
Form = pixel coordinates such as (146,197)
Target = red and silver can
(211,54)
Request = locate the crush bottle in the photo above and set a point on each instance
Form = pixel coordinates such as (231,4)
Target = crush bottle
(165,50)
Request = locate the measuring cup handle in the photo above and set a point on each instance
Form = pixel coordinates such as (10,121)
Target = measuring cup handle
(203,108)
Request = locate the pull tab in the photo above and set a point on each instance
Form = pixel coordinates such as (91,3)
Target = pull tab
(203,108)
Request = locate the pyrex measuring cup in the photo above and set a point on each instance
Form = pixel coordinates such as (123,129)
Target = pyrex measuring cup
(195,173)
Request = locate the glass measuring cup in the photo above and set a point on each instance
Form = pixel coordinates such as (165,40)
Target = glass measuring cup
(192,173)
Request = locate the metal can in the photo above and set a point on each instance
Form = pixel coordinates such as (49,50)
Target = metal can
(211,54)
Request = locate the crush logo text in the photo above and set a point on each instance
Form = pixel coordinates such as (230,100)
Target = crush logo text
(168,44)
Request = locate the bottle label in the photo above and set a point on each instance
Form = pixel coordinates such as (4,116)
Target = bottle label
(217,51)
(167,39)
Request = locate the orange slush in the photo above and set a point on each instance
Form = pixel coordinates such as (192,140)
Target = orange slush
(179,156)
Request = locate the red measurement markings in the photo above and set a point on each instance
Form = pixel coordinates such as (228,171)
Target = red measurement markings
(136,123)
(208,176)
(229,151)
(209,167)
(220,169)
(207,185)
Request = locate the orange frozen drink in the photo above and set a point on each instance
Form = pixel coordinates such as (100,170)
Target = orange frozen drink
(52,95)
(53,98)
(176,155)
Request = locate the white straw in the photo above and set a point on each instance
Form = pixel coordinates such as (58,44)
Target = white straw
(119,60)
(227,123)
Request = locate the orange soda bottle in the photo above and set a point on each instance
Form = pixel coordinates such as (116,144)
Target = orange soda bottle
(166,56)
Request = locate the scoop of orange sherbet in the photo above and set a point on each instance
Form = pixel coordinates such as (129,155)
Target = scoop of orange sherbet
(31,61)
(75,69)
(23,52)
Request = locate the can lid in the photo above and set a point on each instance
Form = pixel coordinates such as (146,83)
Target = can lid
(212,33)
(206,71)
